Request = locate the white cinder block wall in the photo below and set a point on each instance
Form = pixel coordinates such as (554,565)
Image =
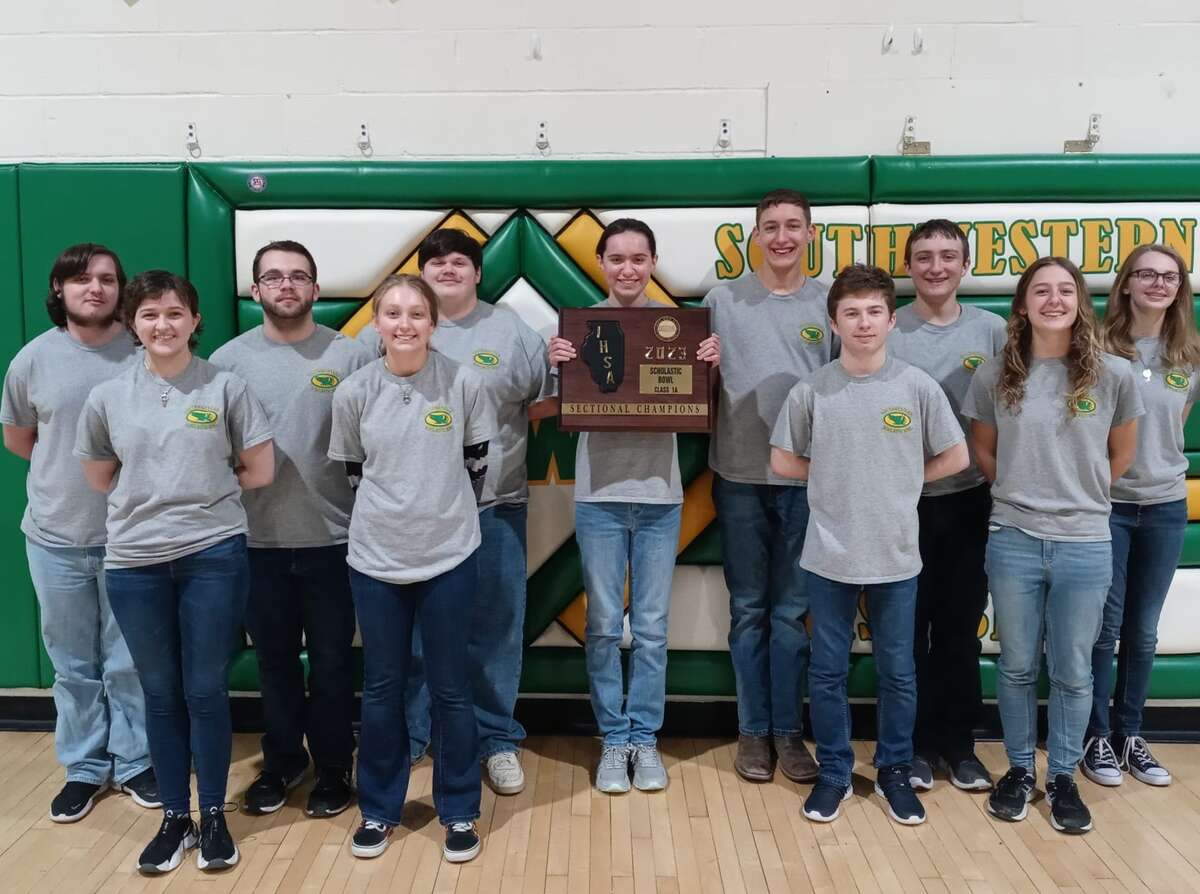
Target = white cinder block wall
(293,79)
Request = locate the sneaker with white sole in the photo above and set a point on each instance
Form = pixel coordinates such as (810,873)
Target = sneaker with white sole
(217,850)
(1099,762)
(75,801)
(920,774)
(891,784)
(505,774)
(649,774)
(612,773)
(462,843)
(142,788)
(1139,761)
(1010,798)
(824,802)
(176,835)
(371,839)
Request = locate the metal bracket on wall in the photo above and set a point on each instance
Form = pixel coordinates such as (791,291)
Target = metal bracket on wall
(909,144)
(1087,144)
(192,144)
(364,141)
(724,135)
(542,140)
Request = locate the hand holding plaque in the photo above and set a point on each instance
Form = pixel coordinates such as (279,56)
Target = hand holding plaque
(636,369)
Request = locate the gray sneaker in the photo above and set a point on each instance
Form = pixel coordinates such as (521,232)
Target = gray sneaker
(649,774)
(920,774)
(612,773)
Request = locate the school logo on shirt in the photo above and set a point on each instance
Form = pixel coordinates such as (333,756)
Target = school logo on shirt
(1085,406)
(486,359)
(972,362)
(812,334)
(439,419)
(1177,380)
(897,420)
(325,380)
(201,417)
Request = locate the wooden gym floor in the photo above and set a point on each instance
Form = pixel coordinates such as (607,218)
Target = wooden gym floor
(709,832)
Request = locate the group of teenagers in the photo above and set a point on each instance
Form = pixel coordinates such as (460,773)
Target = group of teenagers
(301,483)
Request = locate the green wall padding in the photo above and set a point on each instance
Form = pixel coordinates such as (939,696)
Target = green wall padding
(137,210)
(1036,178)
(20,643)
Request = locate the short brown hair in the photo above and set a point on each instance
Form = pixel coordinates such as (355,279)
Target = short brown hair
(938,226)
(783,197)
(857,279)
(73,261)
(288,245)
(153,284)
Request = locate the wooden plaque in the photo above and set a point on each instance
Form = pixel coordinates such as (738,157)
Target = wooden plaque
(636,370)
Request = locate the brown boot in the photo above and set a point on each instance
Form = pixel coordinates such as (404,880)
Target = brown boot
(753,761)
(794,759)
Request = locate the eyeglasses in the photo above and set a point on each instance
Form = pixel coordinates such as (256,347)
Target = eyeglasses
(1147,277)
(274,279)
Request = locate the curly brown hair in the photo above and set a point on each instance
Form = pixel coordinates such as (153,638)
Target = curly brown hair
(1180,344)
(1083,355)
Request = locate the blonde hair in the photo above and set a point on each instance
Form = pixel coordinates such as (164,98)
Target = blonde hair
(1180,344)
(1083,356)
(405,280)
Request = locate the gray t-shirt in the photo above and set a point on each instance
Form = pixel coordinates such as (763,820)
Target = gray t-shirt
(309,502)
(627,467)
(867,439)
(46,386)
(175,492)
(950,354)
(414,515)
(1159,470)
(512,362)
(768,342)
(1052,470)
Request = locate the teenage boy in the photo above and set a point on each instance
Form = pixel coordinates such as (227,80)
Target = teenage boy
(949,341)
(298,529)
(511,358)
(100,733)
(867,430)
(772,326)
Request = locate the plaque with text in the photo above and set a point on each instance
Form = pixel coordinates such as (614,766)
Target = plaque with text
(636,370)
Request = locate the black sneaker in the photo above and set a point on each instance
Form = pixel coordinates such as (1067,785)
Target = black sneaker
(269,791)
(142,788)
(1137,759)
(217,850)
(904,806)
(176,835)
(1099,762)
(332,794)
(920,774)
(824,802)
(969,774)
(1067,811)
(74,802)
(462,842)
(371,839)
(1010,798)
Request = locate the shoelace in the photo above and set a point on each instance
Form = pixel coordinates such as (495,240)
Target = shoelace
(1103,756)
(647,757)
(505,760)
(1137,749)
(462,827)
(1066,793)
(1014,779)
(614,757)
(209,825)
(375,826)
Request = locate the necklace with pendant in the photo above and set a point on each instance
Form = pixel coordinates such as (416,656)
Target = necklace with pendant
(166,394)
(405,390)
(1147,374)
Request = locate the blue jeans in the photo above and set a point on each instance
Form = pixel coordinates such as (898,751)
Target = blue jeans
(497,634)
(387,615)
(100,733)
(183,620)
(641,539)
(1051,593)
(1147,543)
(892,608)
(762,535)
(305,593)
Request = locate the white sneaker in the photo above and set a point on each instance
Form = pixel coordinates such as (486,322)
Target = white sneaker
(505,774)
